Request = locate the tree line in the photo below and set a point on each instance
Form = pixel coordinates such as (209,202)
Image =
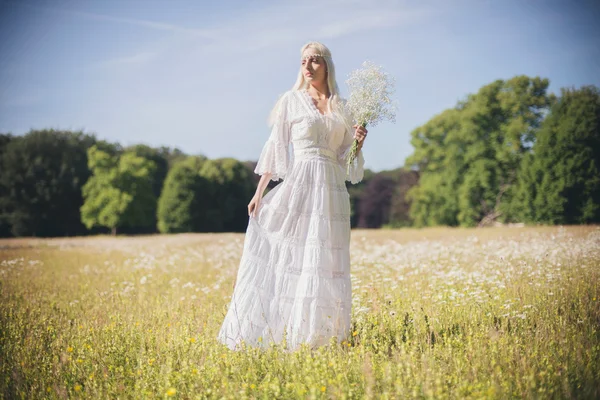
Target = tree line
(68,183)
(512,152)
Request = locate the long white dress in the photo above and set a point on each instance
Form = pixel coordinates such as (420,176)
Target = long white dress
(294,273)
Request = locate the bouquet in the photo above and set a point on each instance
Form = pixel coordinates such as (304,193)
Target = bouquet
(370,99)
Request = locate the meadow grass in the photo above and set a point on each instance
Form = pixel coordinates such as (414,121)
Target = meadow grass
(437,313)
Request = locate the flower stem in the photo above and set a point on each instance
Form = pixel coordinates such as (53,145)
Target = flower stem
(353,151)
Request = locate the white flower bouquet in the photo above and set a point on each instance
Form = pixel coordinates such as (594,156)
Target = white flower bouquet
(370,99)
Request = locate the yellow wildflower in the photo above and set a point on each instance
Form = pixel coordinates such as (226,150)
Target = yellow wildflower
(322,388)
(77,388)
(171,392)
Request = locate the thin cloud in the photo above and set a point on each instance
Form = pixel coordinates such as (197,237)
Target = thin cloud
(293,22)
(279,24)
(374,20)
(138,58)
(208,34)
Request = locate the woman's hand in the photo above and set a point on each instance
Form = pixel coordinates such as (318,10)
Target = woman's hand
(254,204)
(360,135)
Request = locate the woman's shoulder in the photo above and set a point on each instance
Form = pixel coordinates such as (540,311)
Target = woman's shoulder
(284,99)
(290,99)
(289,95)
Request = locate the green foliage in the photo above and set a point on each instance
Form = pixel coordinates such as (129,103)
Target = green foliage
(180,206)
(469,156)
(162,157)
(4,191)
(119,193)
(560,182)
(206,196)
(231,188)
(41,175)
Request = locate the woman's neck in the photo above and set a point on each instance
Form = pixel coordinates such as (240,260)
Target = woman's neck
(321,89)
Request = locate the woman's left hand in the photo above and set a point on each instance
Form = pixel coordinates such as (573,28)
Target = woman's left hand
(360,134)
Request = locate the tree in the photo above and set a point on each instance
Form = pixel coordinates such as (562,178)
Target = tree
(203,195)
(468,157)
(162,158)
(438,156)
(119,193)
(231,188)
(375,202)
(4,191)
(560,181)
(382,201)
(180,206)
(400,204)
(41,175)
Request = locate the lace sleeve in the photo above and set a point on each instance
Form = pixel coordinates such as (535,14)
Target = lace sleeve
(275,157)
(355,172)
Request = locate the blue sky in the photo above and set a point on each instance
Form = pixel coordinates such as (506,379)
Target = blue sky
(202,76)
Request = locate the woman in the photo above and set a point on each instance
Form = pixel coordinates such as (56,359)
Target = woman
(293,283)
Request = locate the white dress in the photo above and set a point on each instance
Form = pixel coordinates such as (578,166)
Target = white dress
(294,273)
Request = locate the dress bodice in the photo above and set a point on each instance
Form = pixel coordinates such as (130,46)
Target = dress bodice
(300,125)
(312,129)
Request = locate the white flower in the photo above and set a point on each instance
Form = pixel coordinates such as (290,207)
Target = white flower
(370,95)
(370,99)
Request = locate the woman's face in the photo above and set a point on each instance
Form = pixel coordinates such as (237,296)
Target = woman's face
(313,67)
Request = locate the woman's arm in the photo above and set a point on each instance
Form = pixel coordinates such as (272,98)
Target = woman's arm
(262,183)
(355,171)
(255,201)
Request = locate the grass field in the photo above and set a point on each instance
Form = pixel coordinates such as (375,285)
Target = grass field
(437,313)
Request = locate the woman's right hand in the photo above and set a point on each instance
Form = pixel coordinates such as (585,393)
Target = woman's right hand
(253,205)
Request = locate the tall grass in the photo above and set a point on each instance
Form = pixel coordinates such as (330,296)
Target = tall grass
(437,313)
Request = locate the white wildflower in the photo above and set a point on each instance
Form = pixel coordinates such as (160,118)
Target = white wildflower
(370,98)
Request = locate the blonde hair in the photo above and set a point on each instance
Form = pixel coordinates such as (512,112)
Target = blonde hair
(334,102)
